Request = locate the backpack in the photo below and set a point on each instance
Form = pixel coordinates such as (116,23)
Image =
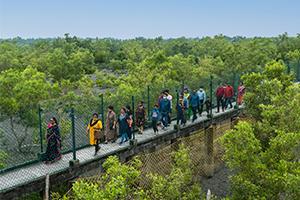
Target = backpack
(129,121)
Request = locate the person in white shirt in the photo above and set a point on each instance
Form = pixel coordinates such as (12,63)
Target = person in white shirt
(202,98)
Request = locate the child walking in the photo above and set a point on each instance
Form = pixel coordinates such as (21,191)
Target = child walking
(208,105)
(155,115)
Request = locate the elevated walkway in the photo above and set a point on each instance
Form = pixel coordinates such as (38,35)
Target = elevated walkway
(24,181)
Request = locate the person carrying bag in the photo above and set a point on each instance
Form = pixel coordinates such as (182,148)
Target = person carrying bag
(96,133)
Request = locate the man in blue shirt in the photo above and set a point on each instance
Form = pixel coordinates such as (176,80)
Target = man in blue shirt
(202,98)
(165,110)
(194,103)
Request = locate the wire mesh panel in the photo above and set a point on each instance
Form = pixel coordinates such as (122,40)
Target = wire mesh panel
(19,136)
(206,155)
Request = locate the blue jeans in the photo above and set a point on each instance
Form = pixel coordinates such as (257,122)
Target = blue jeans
(124,135)
(228,102)
(164,119)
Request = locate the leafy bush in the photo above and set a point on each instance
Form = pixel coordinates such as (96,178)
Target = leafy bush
(264,153)
(122,182)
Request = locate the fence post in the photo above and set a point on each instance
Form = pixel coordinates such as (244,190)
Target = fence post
(148,100)
(233,84)
(41,133)
(236,92)
(47,186)
(73,162)
(102,118)
(133,141)
(176,106)
(41,155)
(209,143)
(298,71)
(211,78)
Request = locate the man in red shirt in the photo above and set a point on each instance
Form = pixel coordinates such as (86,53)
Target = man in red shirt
(229,95)
(220,97)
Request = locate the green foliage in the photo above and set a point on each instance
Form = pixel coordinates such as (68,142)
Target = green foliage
(2,133)
(177,184)
(262,91)
(100,57)
(263,174)
(35,196)
(20,94)
(3,157)
(121,182)
(5,141)
(35,136)
(64,127)
(264,153)
(120,179)
(97,81)
(9,56)
(262,87)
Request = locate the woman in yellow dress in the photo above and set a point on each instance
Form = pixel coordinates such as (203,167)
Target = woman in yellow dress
(94,125)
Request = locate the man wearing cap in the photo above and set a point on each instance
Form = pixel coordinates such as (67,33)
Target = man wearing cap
(229,95)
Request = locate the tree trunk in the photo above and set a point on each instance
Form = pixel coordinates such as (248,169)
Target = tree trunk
(13,131)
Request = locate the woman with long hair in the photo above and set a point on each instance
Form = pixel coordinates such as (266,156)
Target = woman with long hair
(241,92)
(123,125)
(94,125)
(54,144)
(129,113)
(140,117)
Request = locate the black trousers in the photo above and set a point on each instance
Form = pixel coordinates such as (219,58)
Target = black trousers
(154,126)
(220,101)
(194,109)
(129,133)
(97,146)
(200,109)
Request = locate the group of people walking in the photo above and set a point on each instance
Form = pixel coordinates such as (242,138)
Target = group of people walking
(195,102)
(123,122)
(225,94)
(187,106)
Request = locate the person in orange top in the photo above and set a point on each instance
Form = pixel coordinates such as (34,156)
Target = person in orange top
(229,95)
(241,92)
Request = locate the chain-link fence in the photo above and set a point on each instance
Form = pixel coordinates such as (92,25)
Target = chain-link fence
(19,137)
(204,151)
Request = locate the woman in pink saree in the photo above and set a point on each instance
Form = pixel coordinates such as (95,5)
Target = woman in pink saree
(241,92)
